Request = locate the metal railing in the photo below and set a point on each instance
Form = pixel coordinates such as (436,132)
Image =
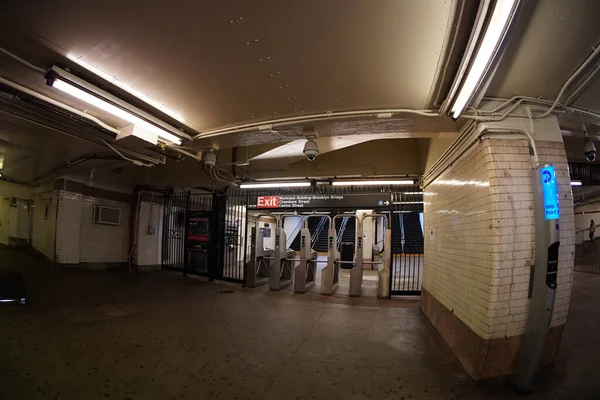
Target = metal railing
(340,234)
(583,234)
(315,235)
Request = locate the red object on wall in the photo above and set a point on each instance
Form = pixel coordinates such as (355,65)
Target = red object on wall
(267,202)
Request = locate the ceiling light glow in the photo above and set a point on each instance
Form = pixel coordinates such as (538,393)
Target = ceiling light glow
(273,185)
(575,183)
(372,183)
(499,22)
(111,109)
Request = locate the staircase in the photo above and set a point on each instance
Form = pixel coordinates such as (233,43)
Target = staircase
(397,233)
(318,230)
(320,239)
(346,230)
(413,235)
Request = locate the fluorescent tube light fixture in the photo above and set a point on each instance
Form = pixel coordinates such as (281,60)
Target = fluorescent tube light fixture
(95,101)
(84,91)
(488,43)
(575,183)
(251,185)
(373,183)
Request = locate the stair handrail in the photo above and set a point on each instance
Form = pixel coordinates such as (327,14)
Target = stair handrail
(341,231)
(317,231)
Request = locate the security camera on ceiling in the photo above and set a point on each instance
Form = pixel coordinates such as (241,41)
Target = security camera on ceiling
(311,150)
(209,159)
(589,149)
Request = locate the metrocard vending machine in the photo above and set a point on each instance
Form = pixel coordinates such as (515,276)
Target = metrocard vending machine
(543,280)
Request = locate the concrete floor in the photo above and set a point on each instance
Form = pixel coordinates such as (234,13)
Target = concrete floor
(156,335)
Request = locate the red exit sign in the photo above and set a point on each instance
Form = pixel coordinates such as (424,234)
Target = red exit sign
(267,202)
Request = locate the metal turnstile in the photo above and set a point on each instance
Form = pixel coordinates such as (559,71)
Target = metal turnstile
(383,266)
(257,269)
(282,265)
(306,271)
(337,259)
(330,275)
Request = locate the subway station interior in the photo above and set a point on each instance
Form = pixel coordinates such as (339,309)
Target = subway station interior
(318,199)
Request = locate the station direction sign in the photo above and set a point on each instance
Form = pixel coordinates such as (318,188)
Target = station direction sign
(329,200)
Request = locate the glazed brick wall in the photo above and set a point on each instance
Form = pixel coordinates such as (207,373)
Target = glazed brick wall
(103,243)
(480,236)
(80,240)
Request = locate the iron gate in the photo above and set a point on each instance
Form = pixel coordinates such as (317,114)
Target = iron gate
(174,231)
(234,233)
(407,243)
(186,236)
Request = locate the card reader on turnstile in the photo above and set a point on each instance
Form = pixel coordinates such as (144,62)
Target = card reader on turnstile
(306,271)
(544,277)
(281,269)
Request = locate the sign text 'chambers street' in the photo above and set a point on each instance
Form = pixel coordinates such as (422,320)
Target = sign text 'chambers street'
(322,200)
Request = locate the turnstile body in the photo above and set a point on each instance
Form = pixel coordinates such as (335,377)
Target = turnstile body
(356,273)
(282,265)
(383,266)
(305,272)
(383,269)
(330,275)
(257,269)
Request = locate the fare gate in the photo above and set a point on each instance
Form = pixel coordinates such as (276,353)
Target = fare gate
(209,235)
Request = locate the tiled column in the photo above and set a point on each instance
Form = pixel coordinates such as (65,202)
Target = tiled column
(479,246)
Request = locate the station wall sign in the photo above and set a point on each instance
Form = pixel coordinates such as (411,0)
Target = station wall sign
(329,200)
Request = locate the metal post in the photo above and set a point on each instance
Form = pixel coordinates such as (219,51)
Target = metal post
(245,242)
(541,305)
(185,233)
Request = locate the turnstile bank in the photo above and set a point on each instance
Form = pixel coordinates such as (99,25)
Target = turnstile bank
(277,266)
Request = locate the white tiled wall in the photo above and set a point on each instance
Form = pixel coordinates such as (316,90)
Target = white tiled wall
(149,246)
(68,224)
(99,242)
(80,240)
(43,232)
(479,236)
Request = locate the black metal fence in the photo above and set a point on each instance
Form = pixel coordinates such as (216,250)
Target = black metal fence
(407,243)
(235,232)
(185,239)
(173,246)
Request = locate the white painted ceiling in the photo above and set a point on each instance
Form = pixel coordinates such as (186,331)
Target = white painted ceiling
(220,63)
(230,61)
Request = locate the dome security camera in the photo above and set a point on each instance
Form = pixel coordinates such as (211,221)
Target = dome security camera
(589,149)
(311,150)
(209,159)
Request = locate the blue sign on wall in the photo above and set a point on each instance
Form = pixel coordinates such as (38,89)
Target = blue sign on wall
(551,207)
